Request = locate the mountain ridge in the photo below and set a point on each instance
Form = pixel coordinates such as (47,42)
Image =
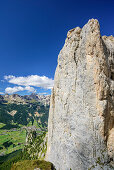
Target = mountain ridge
(16,98)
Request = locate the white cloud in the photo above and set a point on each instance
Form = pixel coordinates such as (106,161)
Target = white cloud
(11,90)
(33,80)
(1,93)
(8,77)
(30,89)
(43,93)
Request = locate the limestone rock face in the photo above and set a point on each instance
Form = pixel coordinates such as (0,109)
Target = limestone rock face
(81,117)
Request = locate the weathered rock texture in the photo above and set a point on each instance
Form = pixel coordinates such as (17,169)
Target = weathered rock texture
(81,118)
(36,145)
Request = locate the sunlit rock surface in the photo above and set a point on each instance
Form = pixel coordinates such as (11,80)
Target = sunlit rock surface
(81,117)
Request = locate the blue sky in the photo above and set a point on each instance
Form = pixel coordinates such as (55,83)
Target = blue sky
(32,32)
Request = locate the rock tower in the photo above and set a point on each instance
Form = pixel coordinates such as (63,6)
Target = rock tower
(81,117)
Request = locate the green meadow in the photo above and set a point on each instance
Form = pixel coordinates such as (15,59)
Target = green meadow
(11,140)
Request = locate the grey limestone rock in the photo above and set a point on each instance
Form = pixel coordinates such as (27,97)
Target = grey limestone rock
(81,117)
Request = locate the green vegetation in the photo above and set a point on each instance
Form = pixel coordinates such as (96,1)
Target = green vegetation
(15,161)
(18,159)
(31,165)
(36,147)
(11,140)
(24,113)
(15,120)
(7,161)
(13,130)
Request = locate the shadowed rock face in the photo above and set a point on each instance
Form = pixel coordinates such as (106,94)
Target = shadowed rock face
(81,118)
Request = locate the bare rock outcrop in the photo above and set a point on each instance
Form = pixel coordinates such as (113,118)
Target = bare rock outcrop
(81,117)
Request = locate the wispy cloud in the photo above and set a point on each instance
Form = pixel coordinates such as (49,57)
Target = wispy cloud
(11,90)
(1,93)
(43,93)
(32,80)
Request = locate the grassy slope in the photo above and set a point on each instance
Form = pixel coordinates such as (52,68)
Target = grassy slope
(12,137)
(31,165)
(11,140)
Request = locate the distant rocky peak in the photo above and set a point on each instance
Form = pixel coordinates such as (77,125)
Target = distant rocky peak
(16,98)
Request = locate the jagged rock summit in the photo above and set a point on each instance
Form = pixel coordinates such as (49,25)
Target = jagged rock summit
(81,117)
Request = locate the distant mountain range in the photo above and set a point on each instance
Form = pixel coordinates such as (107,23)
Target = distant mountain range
(19,109)
(18,99)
